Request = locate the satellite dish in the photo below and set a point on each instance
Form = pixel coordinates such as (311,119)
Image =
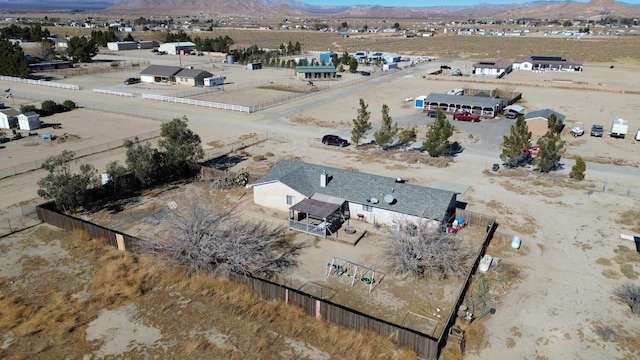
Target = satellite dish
(374,200)
(389,198)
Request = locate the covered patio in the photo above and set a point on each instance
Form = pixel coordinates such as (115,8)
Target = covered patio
(321,215)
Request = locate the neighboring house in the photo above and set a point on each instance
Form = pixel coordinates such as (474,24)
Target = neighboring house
(546,63)
(316,72)
(492,68)
(29,121)
(9,118)
(159,74)
(479,105)
(538,121)
(192,77)
(391,58)
(175,48)
(319,199)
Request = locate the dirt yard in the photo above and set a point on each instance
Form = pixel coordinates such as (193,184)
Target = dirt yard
(553,299)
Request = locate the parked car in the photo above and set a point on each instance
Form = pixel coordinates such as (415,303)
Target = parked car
(445,67)
(16,136)
(466,116)
(533,150)
(4,139)
(597,130)
(131,81)
(577,129)
(334,140)
(365,73)
(432,114)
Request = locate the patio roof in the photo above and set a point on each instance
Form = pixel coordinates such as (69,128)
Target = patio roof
(316,208)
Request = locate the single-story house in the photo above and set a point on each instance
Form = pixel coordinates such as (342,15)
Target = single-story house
(492,67)
(29,121)
(546,63)
(159,73)
(316,72)
(479,105)
(538,121)
(391,58)
(9,118)
(192,77)
(175,48)
(319,198)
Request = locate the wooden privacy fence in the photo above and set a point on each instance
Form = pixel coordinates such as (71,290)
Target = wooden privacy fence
(425,346)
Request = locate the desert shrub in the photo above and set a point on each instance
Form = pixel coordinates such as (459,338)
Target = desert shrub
(268,154)
(28,108)
(259,158)
(629,294)
(49,107)
(69,104)
(628,272)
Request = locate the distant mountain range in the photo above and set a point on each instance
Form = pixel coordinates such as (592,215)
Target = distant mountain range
(595,9)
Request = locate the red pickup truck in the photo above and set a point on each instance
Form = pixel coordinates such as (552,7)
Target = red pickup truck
(466,116)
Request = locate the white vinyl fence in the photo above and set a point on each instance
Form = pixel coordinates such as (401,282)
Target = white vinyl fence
(111,92)
(208,104)
(41,83)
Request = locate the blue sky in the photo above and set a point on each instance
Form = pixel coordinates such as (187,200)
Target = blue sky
(425,3)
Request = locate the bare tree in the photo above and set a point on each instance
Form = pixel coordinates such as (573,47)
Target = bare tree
(206,237)
(629,294)
(423,251)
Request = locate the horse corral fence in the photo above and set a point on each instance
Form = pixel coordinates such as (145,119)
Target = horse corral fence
(41,83)
(111,92)
(425,346)
(209,104)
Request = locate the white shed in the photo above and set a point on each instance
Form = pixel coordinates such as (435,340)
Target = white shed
(122,45)
(29,121)
(8,118)
(174,48)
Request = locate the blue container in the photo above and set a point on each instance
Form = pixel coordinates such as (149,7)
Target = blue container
(515,243)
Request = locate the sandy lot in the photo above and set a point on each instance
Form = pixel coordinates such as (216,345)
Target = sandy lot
(570,259)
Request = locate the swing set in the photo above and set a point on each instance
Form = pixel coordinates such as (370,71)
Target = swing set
(366,275)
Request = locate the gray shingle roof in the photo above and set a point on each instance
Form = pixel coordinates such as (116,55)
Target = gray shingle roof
(544,113)
(193,73)
(356,187)
(161,70)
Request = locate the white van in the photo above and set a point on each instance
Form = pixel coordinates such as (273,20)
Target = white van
(638,135)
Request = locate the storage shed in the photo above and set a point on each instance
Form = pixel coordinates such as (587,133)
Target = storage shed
(122,45)
(316,72)
(8,118)
(29,121)
(326,58)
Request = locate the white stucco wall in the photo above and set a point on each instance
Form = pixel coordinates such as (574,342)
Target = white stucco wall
(378,215)
(274,196)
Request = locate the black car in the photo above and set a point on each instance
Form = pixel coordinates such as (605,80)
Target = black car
(432,114)
(334,140)
(131,81)
(365,73)
(596,130)
(4,139)
(445,67)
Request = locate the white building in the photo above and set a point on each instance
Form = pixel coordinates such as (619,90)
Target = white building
(175,48)
(29,121)
(122,45)
(8,118)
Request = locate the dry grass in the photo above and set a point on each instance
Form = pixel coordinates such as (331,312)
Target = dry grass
(51,323)
(611,274)
(630,218)
(309,120)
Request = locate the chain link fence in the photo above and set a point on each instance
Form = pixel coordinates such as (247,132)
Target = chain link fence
(35,165)
(19,219)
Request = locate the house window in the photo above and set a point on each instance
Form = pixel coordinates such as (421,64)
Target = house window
(184,79)
(367,208)
(290,200)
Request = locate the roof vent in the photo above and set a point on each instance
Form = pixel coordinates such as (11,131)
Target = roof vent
(374,200)
(389,199)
